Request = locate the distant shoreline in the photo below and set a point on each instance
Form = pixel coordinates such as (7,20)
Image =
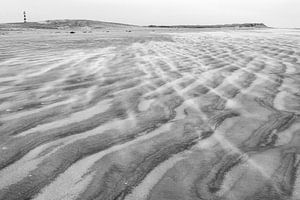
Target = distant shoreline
(91,24)
(244,25)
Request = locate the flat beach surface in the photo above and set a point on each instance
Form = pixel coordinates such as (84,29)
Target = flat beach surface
(150,115)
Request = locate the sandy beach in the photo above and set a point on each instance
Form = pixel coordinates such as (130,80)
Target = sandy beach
(151,114)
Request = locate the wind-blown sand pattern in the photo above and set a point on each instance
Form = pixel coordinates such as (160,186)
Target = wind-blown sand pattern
(150,116)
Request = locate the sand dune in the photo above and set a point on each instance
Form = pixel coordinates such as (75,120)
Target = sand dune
(150,116)
(63,24)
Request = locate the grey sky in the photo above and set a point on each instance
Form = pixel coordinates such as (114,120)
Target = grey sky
(277,13)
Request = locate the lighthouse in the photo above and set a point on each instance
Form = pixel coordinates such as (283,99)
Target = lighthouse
(25,20)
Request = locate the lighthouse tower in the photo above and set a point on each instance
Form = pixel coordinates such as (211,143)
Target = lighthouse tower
(25,19)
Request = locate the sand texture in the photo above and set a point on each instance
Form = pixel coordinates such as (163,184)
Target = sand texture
(150,115)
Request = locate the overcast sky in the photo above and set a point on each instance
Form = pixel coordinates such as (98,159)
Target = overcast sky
(276,13)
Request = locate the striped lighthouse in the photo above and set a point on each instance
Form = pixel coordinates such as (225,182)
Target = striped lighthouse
(25,19)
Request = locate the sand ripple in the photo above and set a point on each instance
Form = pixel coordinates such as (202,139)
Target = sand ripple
(200,115)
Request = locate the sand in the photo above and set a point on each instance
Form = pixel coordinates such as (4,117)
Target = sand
(152,114)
